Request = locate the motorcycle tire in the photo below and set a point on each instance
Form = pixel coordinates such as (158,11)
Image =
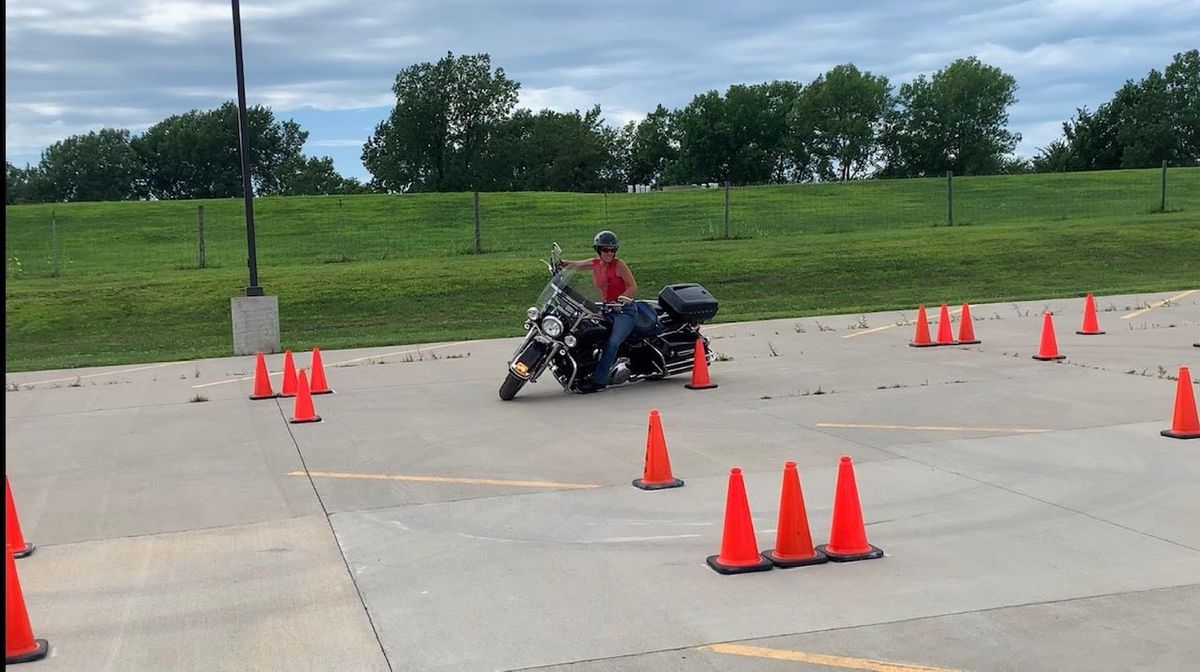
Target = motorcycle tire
(511,385)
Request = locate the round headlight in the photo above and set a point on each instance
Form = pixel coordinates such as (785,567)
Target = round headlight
(532,313)
(552,326)
(570,341)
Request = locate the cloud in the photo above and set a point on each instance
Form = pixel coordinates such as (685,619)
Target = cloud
(78,65)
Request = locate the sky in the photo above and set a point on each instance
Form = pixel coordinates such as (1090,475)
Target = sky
(74,66)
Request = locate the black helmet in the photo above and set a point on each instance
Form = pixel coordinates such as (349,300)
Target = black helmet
(605,238)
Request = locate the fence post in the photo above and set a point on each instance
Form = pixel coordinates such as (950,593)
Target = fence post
(726,208)
(478,244)
(1162,202)
(200,224)
(949,198)
(54,241)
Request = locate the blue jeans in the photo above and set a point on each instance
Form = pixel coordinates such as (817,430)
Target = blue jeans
(622,326)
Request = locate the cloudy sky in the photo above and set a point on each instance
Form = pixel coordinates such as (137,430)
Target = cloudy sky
(73,66)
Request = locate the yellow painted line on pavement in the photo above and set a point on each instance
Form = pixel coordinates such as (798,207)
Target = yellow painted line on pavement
(410,351)
(445,479)
(863,332)
(821,659)
(1160,304)
(931,428)
(105,373)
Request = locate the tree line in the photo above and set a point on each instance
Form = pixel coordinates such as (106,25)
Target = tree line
(456,127)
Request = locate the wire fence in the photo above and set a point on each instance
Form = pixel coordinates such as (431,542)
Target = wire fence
(73,240)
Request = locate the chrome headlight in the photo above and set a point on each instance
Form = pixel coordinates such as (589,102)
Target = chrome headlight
(552,326)
(532,313)
(570,341)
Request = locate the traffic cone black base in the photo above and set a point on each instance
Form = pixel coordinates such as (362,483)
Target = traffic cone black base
(673,483)
(1171,434)
(817,558)
(722,568)
(39,652)
(875,552)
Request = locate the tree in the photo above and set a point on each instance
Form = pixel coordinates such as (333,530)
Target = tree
(551,151)
(758,117)
(1092,139)
(24,185)
(1055,157)
(1146,122)
(647,147)
(956,120)
(841,113)
(197,154)
(98,166)
(741,137)
(1183,87)
(309,176)
(444,115)
(705,141)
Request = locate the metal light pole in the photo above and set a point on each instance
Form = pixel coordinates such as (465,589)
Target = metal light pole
(244,141)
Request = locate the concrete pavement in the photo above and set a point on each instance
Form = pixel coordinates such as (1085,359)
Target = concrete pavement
(1032,516)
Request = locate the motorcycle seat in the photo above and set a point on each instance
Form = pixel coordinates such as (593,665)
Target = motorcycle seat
(647,317)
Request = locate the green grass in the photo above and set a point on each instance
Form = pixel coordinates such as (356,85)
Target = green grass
(385,270)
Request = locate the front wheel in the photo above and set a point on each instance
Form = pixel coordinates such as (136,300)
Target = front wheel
(511,385)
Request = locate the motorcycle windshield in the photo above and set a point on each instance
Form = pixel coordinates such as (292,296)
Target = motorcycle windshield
(570,289)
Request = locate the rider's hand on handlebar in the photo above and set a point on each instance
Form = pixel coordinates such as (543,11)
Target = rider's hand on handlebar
(624,300)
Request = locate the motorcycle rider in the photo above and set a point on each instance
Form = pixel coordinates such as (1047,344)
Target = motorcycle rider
(616,283)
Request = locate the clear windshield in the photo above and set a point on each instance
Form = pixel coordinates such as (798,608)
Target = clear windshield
(572,286)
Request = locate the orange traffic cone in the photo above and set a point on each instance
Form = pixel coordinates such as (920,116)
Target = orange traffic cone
(262,380)
(1049,349)
(656,474)
(739,549)
(319,386)
(1091,326)
(945,335)
(19,644)
(14,541)
(1185,424)
(966,331)
(700,379)
(288,387)
(793,541)
(921,337)
(303,410)
(847,534)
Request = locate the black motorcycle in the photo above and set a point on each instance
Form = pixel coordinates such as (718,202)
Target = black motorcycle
(567,329)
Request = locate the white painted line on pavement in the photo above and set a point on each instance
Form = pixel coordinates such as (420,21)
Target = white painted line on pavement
(335,364)
(105,373)
(930,428)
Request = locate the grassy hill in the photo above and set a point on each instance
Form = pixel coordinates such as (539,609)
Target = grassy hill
(111,283)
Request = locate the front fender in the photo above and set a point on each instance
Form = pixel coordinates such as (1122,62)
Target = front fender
(530,359)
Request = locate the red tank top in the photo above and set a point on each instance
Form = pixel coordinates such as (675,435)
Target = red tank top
(608,281)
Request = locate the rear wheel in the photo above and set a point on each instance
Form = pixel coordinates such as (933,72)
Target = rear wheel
(511,385)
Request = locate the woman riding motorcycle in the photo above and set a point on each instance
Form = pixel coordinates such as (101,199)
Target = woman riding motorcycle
(616,284)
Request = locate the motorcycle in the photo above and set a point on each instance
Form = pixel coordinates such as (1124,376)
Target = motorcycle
(566,330)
